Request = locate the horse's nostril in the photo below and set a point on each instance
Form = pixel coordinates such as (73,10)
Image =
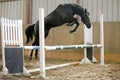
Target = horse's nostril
(89,25)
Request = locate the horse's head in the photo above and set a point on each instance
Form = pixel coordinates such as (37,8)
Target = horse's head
(86,19)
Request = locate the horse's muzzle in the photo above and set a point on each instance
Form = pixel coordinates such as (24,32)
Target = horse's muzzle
(88,25)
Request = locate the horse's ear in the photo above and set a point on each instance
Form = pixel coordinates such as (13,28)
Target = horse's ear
(87,13)
(85,10)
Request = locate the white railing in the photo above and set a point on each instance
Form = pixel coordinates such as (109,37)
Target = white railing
(11,32)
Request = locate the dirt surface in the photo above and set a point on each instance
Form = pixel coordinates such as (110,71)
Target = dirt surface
(111,71)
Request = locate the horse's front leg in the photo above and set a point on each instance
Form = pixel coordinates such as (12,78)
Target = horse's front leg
(77,24)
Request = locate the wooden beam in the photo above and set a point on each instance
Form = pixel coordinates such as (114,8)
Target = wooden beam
(78,1)
(27,18)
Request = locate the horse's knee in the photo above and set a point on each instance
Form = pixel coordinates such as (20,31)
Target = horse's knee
(73,30)
(33,43)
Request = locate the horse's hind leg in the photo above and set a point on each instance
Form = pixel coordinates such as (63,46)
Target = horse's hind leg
(36,54)
(31,54)
(30,57)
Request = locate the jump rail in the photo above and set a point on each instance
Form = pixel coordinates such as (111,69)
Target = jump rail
(64,47)
(54,66)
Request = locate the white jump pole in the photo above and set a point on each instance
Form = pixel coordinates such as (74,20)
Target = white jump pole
(42,42)
(5,70)
(102,38)
(87,41)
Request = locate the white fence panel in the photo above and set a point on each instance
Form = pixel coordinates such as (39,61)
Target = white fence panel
(11,32)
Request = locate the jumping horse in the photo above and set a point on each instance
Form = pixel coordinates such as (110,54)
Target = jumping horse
(64,13)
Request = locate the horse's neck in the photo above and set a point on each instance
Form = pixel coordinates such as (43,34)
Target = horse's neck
(78,10)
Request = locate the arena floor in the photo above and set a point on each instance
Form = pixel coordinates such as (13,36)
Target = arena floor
(111,70)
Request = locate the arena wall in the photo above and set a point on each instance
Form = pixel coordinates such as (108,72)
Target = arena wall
(61,36)
(27,10)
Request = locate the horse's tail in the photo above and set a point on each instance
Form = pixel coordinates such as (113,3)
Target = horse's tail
(29,32)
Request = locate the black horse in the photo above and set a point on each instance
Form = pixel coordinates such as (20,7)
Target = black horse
(64,13)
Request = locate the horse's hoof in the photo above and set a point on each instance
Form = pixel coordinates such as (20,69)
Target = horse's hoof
(30,58)
(35,57)
(71,31)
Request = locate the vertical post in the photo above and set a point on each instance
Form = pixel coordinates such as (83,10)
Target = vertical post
(78,1)
(88,40)
(102,39)
(5,70)
(41,42)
